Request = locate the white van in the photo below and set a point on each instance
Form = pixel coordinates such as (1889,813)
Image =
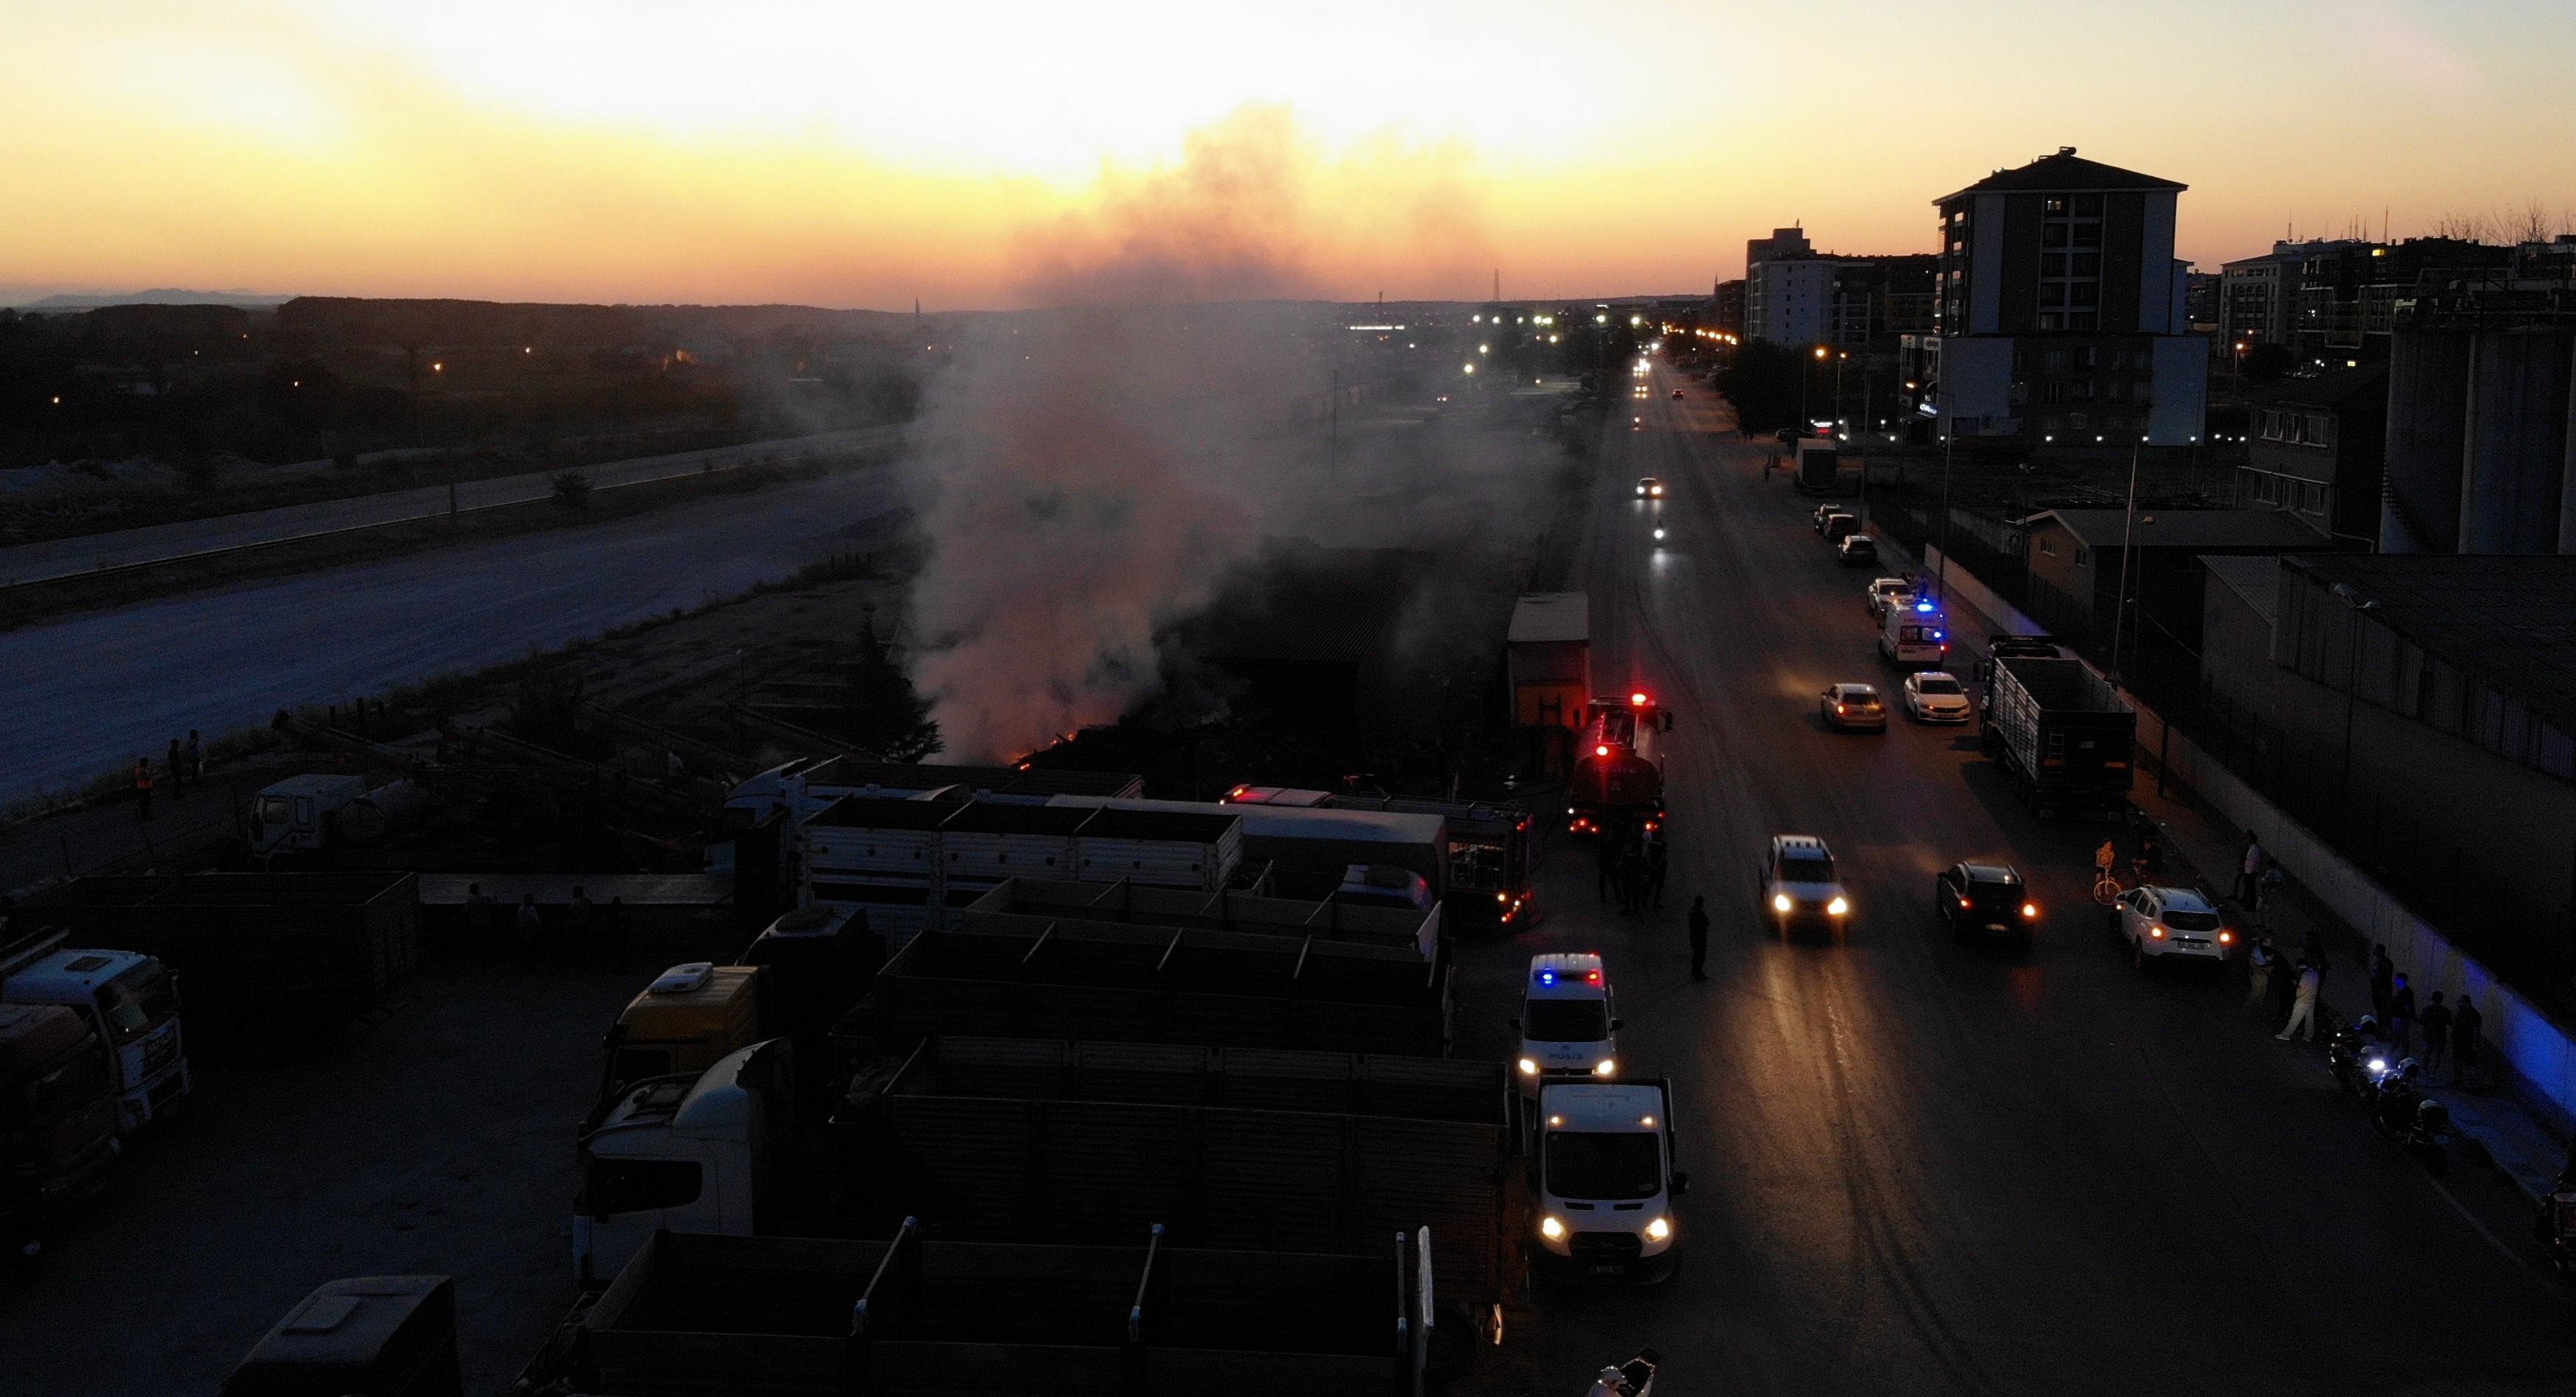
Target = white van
(1915,634)
(1566,1024)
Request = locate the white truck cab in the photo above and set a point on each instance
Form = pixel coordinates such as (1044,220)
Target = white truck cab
(1566,1024)
(1799,885)
(692,1153)
(1602,1168)
(130,1000)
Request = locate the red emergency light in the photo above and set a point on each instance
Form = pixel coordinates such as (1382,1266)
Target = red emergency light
(1601,751)
(1637,700)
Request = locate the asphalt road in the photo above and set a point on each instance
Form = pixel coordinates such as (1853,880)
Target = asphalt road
(89,693)
(1925,1168)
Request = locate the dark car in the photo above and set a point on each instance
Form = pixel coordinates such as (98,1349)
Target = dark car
(1840,526)
(1985,899)
(1859,551)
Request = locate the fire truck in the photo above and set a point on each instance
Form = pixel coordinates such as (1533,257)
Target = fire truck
(1618,765)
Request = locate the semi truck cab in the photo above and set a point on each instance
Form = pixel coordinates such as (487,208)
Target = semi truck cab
(130,1001)
(691,1152)
(688,1019)
(1603,1172)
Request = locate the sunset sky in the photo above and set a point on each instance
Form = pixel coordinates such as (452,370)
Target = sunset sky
(862,155)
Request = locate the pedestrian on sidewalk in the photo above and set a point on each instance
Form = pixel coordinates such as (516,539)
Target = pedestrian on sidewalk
(2267,891)
(2258,975)
(2401,1017)
(2149,861)
(2383,980)
(195,752)
(2437,1036)
(2303,1010)
(143,787)
(2248,869)
(178,768)
(1699,936)
(2465,1047)
(2285,981)
(1658,863)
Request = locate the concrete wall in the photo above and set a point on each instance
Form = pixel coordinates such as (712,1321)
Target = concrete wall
(2513,455)
(2541,1055)
(2428,384)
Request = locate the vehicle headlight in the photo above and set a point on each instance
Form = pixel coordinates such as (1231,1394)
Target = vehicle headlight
(2226,937)
(1528,1068)
(1658,1230)
(2379,1064)
(2156,932)
(1837,907)
(1605,1067)
(1551,1229)
(2030,909)
(1780,902)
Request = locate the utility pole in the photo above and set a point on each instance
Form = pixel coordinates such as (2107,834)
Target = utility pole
(2128,550)
(1949,448)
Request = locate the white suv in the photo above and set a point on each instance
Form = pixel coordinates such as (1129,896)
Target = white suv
(1798,884)
(2160,922)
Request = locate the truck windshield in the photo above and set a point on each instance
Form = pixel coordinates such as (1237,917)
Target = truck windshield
(1806,870)
(274,810)
(1603,1166)
(1618,726)
(137,1000)
(1566,1020)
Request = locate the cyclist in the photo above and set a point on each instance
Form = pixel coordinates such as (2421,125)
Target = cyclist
(2104,860)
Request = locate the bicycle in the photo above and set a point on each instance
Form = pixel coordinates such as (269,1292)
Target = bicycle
(2106,887)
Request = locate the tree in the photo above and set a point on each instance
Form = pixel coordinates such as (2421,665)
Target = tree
(1763,384)
(887,715)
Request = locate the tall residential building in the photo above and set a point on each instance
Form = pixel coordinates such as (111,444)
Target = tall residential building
(2259,295)
(2062,309)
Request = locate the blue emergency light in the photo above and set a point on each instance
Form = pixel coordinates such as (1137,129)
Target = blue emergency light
(1923,606)
(1547,977)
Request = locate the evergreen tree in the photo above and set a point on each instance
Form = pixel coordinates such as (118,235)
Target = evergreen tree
(887,716)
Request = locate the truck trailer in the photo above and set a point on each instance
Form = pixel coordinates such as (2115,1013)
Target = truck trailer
(2064,735)
(1818,466)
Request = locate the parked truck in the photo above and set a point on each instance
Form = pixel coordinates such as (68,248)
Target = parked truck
(1818,466)
(1491,852)
(130,1003)
(1618,766)
(326,811)
(2064,735)
(268,957)
(57,1119)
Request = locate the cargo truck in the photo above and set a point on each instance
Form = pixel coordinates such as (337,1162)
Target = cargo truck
(993,1139)
(130,1002)
(2063,734)
(268,957)
(57,1119)
(1618,766)
(1818,466)
(1491,852)
(317,812)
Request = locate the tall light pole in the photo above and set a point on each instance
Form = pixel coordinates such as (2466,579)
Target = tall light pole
(1949,448)
(2128,550)
(1805,378)
(2359,606)
(1839,357)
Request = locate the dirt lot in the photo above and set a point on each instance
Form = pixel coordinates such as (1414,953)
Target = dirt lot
(439,1142)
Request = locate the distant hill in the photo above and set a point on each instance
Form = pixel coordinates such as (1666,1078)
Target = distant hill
(165,296)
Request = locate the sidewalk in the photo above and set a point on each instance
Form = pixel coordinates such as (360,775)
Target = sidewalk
(2203,849)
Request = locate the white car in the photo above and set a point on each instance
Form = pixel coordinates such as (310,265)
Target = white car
(1889,591)
(1936,696)
(2161,922)
(1798,884)
(1566,1024)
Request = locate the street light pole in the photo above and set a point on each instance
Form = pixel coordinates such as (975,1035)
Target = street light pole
(2359,606)
(1949,448)
(2128,550)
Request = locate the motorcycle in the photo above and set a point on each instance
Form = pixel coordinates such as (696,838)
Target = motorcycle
(2556,1224)
(2358,1060)
(2420,1124)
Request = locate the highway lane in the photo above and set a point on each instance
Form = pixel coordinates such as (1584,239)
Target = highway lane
(1921,1167)
(89,693)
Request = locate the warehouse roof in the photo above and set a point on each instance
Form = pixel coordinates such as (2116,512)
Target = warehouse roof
(2255,577)
(2510,620)
(2364,387)
(2232,529)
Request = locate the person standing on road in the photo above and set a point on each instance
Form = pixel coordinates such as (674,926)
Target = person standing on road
(2303,1011)
(143,787)
(2401,1016)
(1658,861)
(2105,858)
(195,752)
(2250,868)
(2465,1023)
(2437,1035)
(531,924)
(1699,936)
(2383,980)
(177,766)
(1605,859)
(2258,975)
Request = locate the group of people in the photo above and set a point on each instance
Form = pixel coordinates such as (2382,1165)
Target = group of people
(583,923)
(1632,861)
(2437,1032)
(185,766)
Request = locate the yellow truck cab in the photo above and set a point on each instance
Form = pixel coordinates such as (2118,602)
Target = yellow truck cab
(687,1020)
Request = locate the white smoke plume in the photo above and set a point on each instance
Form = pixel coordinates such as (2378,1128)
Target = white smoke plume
(1092,468)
